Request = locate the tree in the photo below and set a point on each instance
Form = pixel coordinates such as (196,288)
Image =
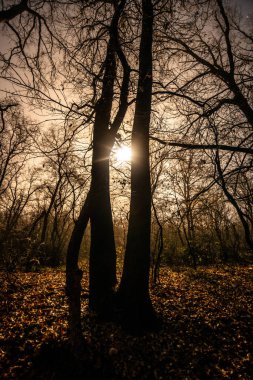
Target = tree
(64,178)
(44,42)
(207,87)
(134,286)
(16,185)
(97,206)
(74,57)
(15,142)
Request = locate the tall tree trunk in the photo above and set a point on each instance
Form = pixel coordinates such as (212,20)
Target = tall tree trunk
(102,250)
(97,206)
(134,287)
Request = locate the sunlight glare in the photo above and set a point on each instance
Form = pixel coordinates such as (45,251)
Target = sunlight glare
(123,154)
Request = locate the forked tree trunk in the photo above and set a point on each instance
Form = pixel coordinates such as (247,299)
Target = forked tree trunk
(97,206)
(134,288)
(103,251)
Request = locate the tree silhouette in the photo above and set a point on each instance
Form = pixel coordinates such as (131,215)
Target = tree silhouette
(134,286)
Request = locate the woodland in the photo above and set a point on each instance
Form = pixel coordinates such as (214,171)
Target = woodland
(126,190)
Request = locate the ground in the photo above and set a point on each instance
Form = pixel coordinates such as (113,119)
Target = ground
(206,329)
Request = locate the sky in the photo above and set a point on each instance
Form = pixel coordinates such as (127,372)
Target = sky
(246,6)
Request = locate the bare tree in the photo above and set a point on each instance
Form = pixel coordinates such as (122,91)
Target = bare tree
(97,206)
(207,84)
(134,286)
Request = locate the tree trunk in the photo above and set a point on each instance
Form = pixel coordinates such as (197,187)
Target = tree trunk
(102,250)
(158,257)
(134,288)
(74,277)
(97,207)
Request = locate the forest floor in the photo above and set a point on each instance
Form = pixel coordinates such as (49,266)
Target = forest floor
(206,332)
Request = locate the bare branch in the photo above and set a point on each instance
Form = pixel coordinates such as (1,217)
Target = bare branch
(204,146)
(15,10)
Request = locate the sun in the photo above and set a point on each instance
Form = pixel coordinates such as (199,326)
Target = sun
(123,154)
